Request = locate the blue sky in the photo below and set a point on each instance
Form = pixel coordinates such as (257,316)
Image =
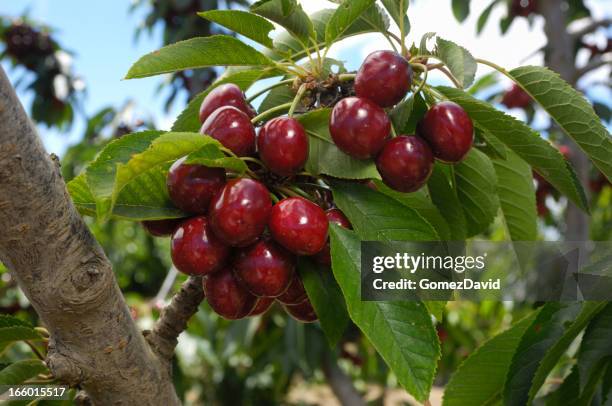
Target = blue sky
(100,33)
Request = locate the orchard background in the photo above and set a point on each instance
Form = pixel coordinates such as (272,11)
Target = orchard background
(76,320)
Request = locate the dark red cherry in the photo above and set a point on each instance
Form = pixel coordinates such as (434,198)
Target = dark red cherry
(226,295)
(295,293)
(384,77)
(299,225)
(191,187)
(303,312)
(239,213)
(195,249)
(359,127)
(161,228)
(232,128)
(337,217)
(516,97)
(225,95)
(263,305)
(523,7)
(448,130)
(265,268)
(405,163)
(282,144)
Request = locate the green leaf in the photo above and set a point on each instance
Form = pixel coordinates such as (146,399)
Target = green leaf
(377,217)
(100,174)
(276,97)
(210,155)
(570,110)
(493,147)
(406,114)
(477,190)
(484,82)
(11,321)
(548,337)
(420,202)
(484,16)
(569,392)
(444,196)
(398,9)
(201,52)
(344,16)
(288,14)
(242,22)
(480,377)
(596,347)
(146,198)
(14,329)
(517,197)
(459,60)
(423,43)
(461,9)
(326,298)
(325,158)
(20,371)
(524,141)
(189,120)
(402,332)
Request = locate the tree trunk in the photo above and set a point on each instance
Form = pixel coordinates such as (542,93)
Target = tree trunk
(66,276)
(560,58)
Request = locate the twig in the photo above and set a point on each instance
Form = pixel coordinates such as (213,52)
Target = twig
(595,63)
(591,27)
(173,320)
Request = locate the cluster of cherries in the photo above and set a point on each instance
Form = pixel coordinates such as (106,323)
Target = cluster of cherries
(361,128)
(26,44)
(246,245)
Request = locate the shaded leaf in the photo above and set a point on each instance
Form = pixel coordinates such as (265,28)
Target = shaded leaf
(20,371)
(289,15)
(459,61)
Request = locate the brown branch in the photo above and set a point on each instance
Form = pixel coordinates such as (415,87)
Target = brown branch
(174,317)
(341,384)
(592,26)
(64,273)
(595,63)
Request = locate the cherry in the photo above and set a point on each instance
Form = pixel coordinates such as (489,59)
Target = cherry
(384,77)
(191,187)
(283,146)
(299,225)
(565,151)
(225,95)
(303,312)
(337,217)
(295,293)
(161,228)
(262,306)
(226,296)
(516,97)
(359,127)
(195,249)
(266,268)
(239,213)
(405,163)
(232,128)
(523,7)
(448,130)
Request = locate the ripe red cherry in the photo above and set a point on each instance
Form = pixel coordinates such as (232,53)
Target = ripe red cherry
(359,127)
(303,312)
(523,7)
(265,268)
(283,146)
(191,187)
(239,213)
(516,97)
(161,228)
(225,95)
(263,305)
(299,225)
(195,249)
(448,130)
(405,163)
(337,217)
(226,296)
(384,77)
(295,293)
(232,128)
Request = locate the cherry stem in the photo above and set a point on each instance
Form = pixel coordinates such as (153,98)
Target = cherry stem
(296,99)
(389,35)
(231,154)
(286,192)
(251,159)
(274,198)
(346,76)
(266,113)
(35,350)
(402,29)
(268,88)
(425,70)
(439,66)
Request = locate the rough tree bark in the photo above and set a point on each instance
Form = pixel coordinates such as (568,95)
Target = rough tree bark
(67,277)
(560,58)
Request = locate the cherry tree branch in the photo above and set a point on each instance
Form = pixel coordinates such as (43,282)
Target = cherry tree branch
(67,277)
(173,320)
(592,26)
(595,63)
